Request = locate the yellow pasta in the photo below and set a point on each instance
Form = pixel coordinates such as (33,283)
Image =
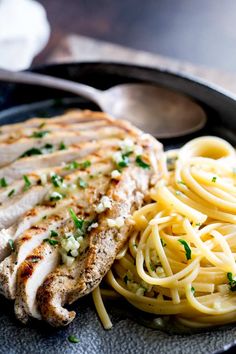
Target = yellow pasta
(180,260)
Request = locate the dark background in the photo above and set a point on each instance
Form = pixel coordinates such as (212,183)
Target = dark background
(200,31)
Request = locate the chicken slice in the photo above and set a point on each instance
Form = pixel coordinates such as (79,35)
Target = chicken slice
(32,217)
(37,163)
(29,240)
(25,131)
(17,206)
(71,117)
(15,149)
(32,272)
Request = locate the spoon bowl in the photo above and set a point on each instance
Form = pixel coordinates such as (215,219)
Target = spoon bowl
(156,110)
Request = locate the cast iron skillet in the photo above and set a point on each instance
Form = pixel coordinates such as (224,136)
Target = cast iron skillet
(129,334)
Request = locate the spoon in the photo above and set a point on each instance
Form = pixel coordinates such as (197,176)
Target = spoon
(162,112)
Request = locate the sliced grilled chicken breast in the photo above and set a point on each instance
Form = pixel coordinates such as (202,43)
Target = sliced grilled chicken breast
(88,173)
(34,236)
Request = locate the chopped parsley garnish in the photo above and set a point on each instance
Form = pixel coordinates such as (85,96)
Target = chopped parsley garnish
(127,154)
(53,233)
(186,248)
(27,183)
(74,164)
(177,192)
(11,244)
(153,268)
(124,162)
(31,152)
(44,217)
(51,241)
(3,182)
(213,179)
(182,182)
(62,146)
(73,339)
(85,164)
(55,196)
(126,279)
(40,134)
(141,163)
(77,222)
(56,180)
(82,183)
(163,243)
(198,224)
(47,148)
(10,194)
(192,289)
(171,162)
(42,125)
(232,282)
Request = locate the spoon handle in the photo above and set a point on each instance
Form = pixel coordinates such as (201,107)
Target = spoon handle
(25,77)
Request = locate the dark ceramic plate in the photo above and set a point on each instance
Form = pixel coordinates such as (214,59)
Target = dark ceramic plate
(129,334)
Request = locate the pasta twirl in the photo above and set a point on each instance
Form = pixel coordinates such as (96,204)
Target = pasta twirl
(180,260)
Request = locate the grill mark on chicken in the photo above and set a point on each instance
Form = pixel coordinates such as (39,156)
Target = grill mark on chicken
(48,126)
(71,117)
(21,277)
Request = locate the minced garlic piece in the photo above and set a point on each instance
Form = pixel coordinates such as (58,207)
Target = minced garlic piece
(140,291)
(115,174)
(118,222)
(138,150)
(93,226)
(126,145)
(223,289)
(43,178)
(217,305)
(117,157)
(70,244)
(160,272)
(67,260)
(105,203)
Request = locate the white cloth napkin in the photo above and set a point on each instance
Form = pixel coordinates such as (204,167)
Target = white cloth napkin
(24,31)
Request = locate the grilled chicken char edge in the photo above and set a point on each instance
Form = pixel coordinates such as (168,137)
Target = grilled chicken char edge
(68,186)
